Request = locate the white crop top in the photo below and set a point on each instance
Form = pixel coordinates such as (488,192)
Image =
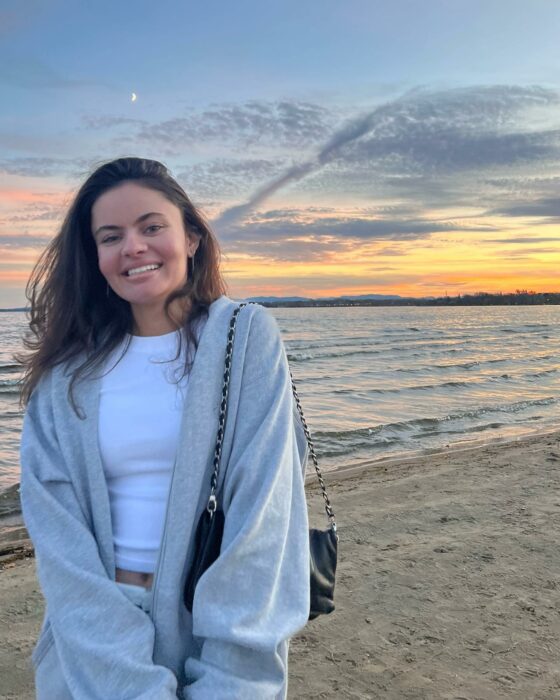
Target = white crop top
(140,410)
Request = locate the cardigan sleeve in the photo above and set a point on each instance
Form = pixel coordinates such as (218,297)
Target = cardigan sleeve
(256,595)
(104,643)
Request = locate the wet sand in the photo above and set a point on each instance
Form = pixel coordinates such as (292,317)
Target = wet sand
(448,584)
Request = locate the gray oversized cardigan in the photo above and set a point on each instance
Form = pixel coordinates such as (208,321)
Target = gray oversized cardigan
(95,643)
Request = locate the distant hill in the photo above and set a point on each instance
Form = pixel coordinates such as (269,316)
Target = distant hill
(519,298)
(275,300)
(286,300)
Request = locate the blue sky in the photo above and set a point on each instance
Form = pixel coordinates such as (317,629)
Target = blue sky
(369,125)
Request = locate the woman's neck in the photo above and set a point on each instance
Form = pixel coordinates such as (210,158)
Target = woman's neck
(151,322)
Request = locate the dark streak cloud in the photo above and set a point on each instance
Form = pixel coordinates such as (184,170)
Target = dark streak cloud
(549,207)
(522,240)
(427,134)
(522,252)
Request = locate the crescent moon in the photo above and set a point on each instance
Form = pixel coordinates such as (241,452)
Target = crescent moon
(134,97)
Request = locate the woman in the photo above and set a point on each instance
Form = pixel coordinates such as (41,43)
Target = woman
(123,387)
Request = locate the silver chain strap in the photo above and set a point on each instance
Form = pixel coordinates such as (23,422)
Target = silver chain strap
(212,503)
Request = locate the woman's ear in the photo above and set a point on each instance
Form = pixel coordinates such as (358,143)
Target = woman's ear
(192,244)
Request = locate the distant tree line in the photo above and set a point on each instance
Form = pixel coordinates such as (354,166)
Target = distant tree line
(521,297)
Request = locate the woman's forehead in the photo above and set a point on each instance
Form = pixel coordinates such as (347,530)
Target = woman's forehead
(126,202)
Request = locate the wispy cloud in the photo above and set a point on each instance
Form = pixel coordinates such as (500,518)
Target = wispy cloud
(23,241)
(35,166)
(283,124)
(427,134)
(227,178)
(105,122)
(520,240)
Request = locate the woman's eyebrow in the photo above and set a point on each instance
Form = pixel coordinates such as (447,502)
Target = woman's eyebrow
(139,220)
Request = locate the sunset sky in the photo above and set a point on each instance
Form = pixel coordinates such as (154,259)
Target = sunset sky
(365,146)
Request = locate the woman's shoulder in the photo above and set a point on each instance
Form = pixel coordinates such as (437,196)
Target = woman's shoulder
(254,321)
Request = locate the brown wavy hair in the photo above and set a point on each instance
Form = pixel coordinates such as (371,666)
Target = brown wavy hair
(74,314)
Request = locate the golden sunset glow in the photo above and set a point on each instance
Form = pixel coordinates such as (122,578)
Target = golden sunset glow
(502,258)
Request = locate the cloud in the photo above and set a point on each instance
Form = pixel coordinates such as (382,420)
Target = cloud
(24,241)
(426,134)
(285,239)
(33,166)
(523,253)
(549,207)
(109,122)
(522,240)
(283,124)
(227,177)
(55,214)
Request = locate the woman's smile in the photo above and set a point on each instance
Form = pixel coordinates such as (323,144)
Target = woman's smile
(135,271)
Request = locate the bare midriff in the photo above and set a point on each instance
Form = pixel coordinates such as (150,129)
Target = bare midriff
(136,578)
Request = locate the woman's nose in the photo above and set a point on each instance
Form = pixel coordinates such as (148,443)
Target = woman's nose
(133,243)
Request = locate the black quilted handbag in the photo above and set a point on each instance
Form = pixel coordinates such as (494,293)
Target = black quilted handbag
(323,544)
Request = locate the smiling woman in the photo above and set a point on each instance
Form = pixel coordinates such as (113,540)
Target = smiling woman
(144,256)
(129,326)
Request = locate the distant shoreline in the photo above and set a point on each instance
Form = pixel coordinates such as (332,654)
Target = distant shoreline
(521,298)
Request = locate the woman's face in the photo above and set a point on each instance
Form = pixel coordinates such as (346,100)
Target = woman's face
(142,245)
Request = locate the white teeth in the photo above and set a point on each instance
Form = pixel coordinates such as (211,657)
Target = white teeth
(144,268)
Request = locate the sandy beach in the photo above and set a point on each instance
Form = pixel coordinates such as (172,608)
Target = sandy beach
(448,583)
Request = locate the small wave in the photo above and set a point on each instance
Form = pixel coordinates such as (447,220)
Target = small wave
(508,408)
(300,357)
(494,425)
(10,367)
(302,347)
(449,365)
(355,392)
(9,386)
(543,373)
(303,357)
(427,424)
(423,387)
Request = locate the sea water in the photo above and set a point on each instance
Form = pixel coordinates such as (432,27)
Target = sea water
(376,382)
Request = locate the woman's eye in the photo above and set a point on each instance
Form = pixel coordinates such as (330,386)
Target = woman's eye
(109,239)
(153,228)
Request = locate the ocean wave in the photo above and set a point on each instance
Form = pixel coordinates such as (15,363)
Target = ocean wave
(543,373)
(10,386)
(360,436)
(444,349)
(9,367)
